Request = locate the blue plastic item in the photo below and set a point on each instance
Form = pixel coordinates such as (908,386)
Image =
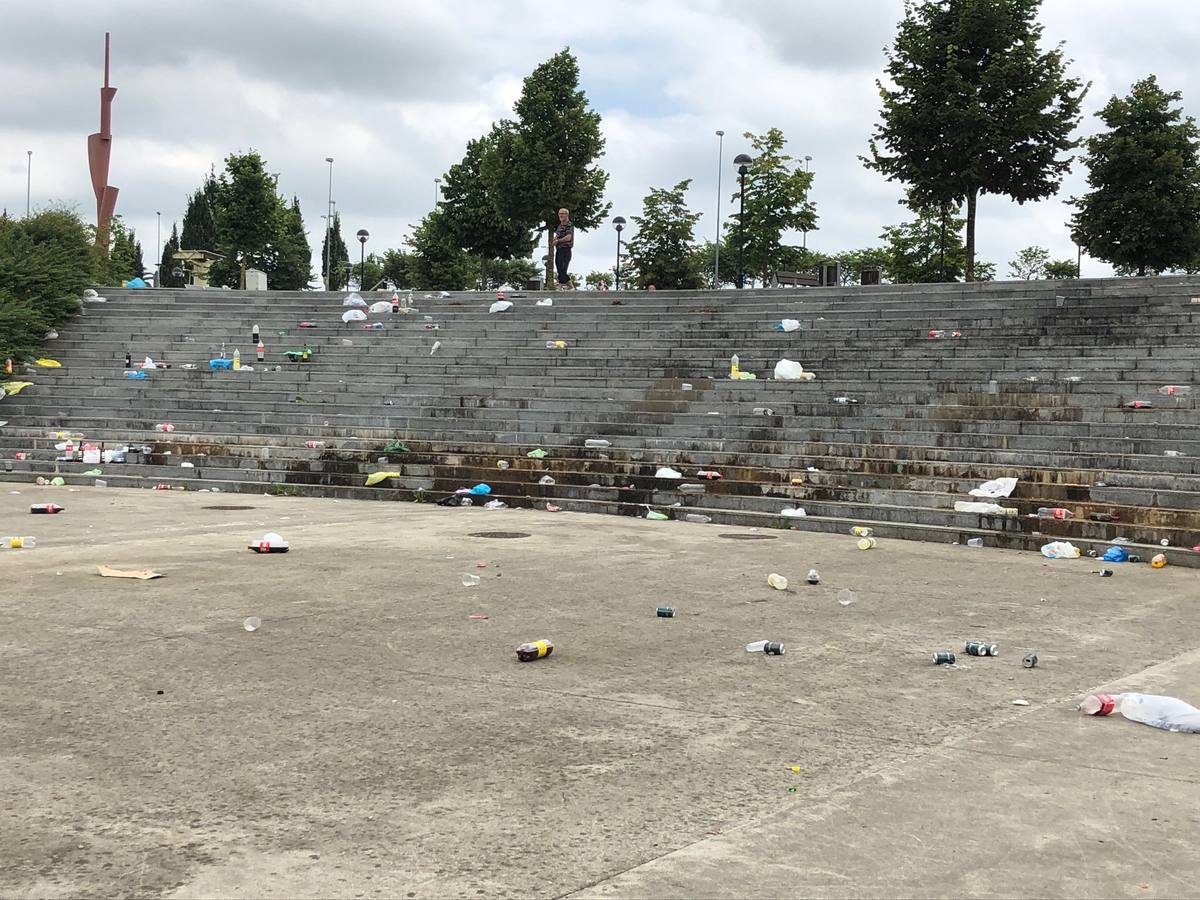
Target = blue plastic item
(215,364)
(136,283)
(481,489)
(136,374)
(1115,554)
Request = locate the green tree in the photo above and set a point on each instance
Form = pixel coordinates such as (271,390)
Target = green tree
(250,220)
(293,271)
(1143,212)
(985,271)
(914,250)
(478,226)
(368,273)
(514,272)
(1057,269)
(776,201)
(124,254)
(854,261)
(544,160)
(167,262)
(199,229)
(437,262)
(338,256)
(662,250)
(394,265)
(977,107)
(1029,263)
(595,279)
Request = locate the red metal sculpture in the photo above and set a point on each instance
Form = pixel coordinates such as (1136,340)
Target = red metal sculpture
(99,153)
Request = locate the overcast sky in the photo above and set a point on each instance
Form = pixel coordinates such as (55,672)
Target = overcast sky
(393,90)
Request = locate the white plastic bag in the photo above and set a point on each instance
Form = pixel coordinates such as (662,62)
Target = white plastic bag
(788,370)
(998,487)
(354,315)
(500,306)
(148,363)
(382,306)
(353,299)
(797,512)
(1167,713)
(548,301)
(667,472)
(789,324)
(987,509)
(1060,550)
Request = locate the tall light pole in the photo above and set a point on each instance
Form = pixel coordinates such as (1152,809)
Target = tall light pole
(328,223)
(28,178)
(363,234)
(158,265)
(807,160)
(717,258)
(437,191)
(619,224)
(742,161)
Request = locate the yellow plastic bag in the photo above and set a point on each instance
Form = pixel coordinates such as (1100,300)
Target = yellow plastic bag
(376,477)
(12,388)
(48,363)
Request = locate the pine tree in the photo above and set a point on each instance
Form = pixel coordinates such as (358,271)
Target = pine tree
(199,228)
(544,160)
(339,256)
(293,270)
(168,263)
(1143,212)
(250,220)
(437,263)
(662,251)
(977,107)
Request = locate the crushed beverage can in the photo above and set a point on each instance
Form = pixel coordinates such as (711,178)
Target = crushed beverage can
(1106,573)
(1029,661)
(774,649)
(944,658)
(534,650)
(981,648)
(665,612)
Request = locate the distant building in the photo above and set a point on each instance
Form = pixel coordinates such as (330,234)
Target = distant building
(195,265)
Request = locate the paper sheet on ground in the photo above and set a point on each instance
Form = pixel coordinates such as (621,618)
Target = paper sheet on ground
(141,575)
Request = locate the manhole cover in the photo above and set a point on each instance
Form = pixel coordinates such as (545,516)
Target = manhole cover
(499,534)
(229,508)
(737,536)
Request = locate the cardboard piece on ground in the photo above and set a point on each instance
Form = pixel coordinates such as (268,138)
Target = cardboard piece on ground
(142,575)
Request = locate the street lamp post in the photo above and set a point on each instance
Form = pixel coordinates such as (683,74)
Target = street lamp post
(363,234)
(717,257)
(328,223)
(807,160)
(1079,260)
(158,265)
(437,191)
(619,224)
(742,161)
(28,178)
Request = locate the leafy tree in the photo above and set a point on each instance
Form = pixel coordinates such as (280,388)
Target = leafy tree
(250,221)
(1057,269)
(338,256)
(776,201)
(124,254)
(854,261)
(394,265)
(168,263)
(661,251)
(914,249)
(437,262)
(1143,211)
(595,279)
(46,260)
(368,273)
(199,228)
(1029,263)
(544,160)
(977,108)
(514,272)
(478,226)
(293,271)
(985,271)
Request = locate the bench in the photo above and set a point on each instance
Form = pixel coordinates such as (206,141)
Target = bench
(795,279)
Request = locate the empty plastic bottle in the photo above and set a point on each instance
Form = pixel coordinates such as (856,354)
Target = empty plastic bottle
(18,543)
(46,509)
(128,360)
(763,411)
(814,577)
(861,531)
(735,367)
(697,518)
(164,427)
(777,581)
(1098,704)
(260,350)
(1175,390)
(470,580)
(597,444)
(1138,404)
(975,542)
(1054,512)
(534,650)
(434,349)
(867,543)
(771,648)
(315,445)
(254,335)
(237,358)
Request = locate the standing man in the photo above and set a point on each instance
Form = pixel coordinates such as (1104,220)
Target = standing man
(564,240)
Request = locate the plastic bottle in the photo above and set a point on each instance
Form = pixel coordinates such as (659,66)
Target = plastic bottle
(165,427)
(697,518)
(1099,704)
(128,360)
(260,351)
(237,358)
(1054,512)
(861,531)
(763,411)
(46,509)
(975,542)
(1138,404)
(597,444)
(315,445)
(254,335)
(1175,390)
(1158,560)
(770,648)
(867,543)
(18,543)
(777,581)
(535,650)
(1167,713)
(735,367)
(814,577)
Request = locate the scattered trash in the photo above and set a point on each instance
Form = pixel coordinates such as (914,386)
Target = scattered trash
(137,375)
(1175,390)
(548,301)
(373,326)
(556,345)
(269,543)
(938,334)
(944,658)
(1116,555)
(1138,404)
(867,543)
(987,509)
(355,300)
(844,401)
(1158,560)
(1060,550)
(1020,703)
(769,648)
(667,472)
(139,574)
(846,597)
(539,453)
(655,516)
(382,306)
(354,315)
(697,518)
(597,444)
(998,487)
(375,477)
(981,648)
(534,650)
(685,387)
(395,447)
(18,543)
(814,577)
(709,475)
(777,581)
(469,580)
(1167,713)
(480,490)
(763,411)
(1030,660)
(786,325)
(434,349)
(495,504)
(1172,453)
(665,612)
(550,507)
(502,464)
(477,617)
(789,370)
(975,542)
(1103,573)
(500,306)
(53,363)
(793,512)
(46,509)
(862,531)
(546,481)
(252,623)
(12,388)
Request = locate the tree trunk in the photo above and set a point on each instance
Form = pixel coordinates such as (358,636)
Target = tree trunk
(971,197)
(482,272)
(549,256)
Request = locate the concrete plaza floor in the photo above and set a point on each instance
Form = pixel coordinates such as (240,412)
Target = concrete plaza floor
(371,740)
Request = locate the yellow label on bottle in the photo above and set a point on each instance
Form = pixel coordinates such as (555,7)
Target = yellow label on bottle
(16,543)
(543,648)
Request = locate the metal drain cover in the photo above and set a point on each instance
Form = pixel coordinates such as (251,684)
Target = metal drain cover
(738,536)
(499,535)
(230,508)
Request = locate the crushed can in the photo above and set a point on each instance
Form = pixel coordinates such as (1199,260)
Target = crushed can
(1029,661)
(774,648)
(534,650)
(981,648)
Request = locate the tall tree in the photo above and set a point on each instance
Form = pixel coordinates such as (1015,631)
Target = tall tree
(437,262)
(544,160)
(337,255)
(250,220)
(167,262)
(1143,211)
(293,270)
(662,251)
(977,108)
(776,201)
(199,230)
(1029,263)
(914,250)
(478,226)
(1057,269)
(123,253)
